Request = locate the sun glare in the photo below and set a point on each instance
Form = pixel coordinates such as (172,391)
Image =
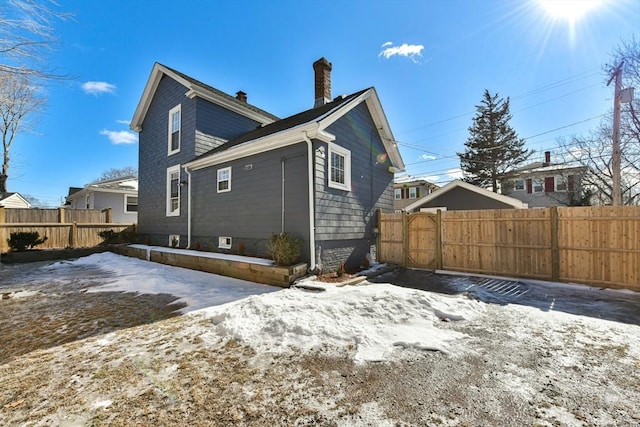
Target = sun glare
(569,10)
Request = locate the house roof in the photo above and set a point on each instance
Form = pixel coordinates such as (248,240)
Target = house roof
(312,123)
(402,180)
(13,200)
(461,184)
(125,185)
(194,88)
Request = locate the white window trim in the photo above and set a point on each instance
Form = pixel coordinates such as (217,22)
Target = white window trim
(126,204)
(177,108)
(397,193)
(173,237)
(524,185)
(170,171)
(224,242)
(218,180)
(533,185)
(415,192)
(333,148)
(559,179)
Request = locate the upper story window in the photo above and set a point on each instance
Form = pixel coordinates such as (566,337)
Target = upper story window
(538,185)
(339,168)
(518,185)
(175,129)
(413,192)
(560,183)
(173,191)
(130,203)
(397,193)
(224,180)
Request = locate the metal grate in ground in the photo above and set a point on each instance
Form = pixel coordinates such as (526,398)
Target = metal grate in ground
(503,287)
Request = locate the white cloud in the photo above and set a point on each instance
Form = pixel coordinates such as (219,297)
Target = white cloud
(124,122)
(411,51)
(426,157)
(120,136)
(98,88)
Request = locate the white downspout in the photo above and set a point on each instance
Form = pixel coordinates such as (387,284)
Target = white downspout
(312,226)
(186,170)
(283,205)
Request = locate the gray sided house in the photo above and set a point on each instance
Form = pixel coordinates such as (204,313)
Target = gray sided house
(219,174)
(118,194)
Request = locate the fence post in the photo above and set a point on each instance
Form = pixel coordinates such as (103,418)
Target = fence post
(439,261)
(107,215)
(405,238)
(74,234)
(378,233)
(555,251)
(61,215)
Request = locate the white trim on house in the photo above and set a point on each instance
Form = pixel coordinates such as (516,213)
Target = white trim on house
(193,90)
(170,172)
(126,196)
(346,167)
(461,184)
(170,130)
(226,175)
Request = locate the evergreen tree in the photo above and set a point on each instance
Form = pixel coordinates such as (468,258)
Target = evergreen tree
(493,147)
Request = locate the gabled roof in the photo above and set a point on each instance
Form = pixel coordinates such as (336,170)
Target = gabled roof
(405,180)
(13,200)
(307,124)
(124,185)
(461,184)
(194,88)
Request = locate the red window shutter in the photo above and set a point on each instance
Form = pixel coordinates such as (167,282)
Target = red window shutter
(529,186)
(548,184)
(417,192)
(570,183)
(405,193)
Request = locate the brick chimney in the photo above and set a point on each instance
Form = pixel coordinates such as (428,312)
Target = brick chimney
(241,96)
(322,69)
(547,157)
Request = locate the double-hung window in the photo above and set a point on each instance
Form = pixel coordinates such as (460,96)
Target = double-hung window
(339,168)
(560,183)
(175,129)
(130,203)
(397,193)
(224,180)
(538,185)
(173,191)
(518,185)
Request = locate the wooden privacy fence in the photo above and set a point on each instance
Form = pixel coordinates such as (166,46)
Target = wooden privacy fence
(64,228)
(593,245)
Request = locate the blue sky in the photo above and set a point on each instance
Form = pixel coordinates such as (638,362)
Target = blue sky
(430,62)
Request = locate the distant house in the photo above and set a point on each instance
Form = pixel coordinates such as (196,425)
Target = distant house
(217,171)
(459,195)
(119,194)
(407,189)
(545,184)
(13,200)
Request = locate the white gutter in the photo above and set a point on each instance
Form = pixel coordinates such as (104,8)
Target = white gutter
(312,228)
(186,170)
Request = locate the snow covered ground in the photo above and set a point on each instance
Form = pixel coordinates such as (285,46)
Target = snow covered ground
(371,354)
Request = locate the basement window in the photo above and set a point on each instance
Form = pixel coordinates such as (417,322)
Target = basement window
(224,242)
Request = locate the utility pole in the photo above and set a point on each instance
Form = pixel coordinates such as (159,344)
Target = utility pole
(617,75)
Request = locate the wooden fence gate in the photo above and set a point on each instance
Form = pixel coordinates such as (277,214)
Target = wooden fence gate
(410,240)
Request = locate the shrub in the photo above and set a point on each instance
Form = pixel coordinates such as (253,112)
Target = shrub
(340,270)
(123,236)
(24,240)
(284,249)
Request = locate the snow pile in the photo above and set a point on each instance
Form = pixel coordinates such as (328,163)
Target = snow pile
(372,320)
(195,288)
